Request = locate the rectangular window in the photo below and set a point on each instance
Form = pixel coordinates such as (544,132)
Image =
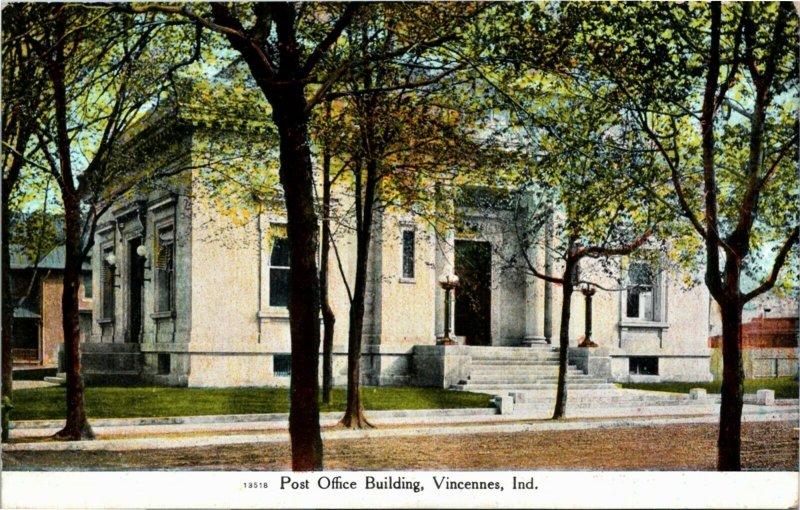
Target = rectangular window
(108,281)
(164,363)
(279,276)
(643,365)
(26,335)
(87,285)
(85,324)
(282,365)
(165,270)
(408,254)
(640,302)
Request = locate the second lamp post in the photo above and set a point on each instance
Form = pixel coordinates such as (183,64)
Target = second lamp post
(448,282)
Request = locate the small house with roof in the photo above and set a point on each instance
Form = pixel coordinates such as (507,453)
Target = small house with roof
(36,288)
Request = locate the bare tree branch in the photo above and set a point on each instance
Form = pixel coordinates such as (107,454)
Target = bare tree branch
(325,44)
(780,259)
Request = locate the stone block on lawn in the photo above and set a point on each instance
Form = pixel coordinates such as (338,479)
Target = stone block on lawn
(505,403)
(765,397)
(698,394)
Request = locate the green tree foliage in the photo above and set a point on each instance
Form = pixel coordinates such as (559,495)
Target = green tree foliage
(390,127)
(568,144)
(715,89)
(571,168)
(99,74)
(282,46)
(20,104)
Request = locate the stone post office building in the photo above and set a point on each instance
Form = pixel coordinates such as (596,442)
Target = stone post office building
(176,305)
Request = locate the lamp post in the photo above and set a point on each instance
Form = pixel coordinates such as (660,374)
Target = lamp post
(588,291)
(448,282)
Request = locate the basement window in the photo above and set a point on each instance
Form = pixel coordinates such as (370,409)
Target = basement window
(643,365)
(282,365)
(163,364)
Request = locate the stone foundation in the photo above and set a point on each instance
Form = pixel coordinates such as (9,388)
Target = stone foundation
(593,361)
(671,367)
(439,366)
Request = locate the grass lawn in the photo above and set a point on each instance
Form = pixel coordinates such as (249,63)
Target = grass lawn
(785,387)
(129,402)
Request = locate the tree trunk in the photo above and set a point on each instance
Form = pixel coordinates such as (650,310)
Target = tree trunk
(296,175)
(77,426)
(328,317)
(8,314)
(354,413)
(729,444)
(329,323)
(563,344)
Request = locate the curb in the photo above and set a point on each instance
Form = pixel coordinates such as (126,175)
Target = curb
(148,443)
(252,418)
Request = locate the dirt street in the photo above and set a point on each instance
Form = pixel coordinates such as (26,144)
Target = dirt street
(766,446)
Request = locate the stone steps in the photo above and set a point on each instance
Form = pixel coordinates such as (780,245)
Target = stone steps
(505,388)
(60,378)
(514,362)
(505,369)
(616,399)
(521,370)
(549,404)
(511,353)
(608,400)
(618,403)
(530,379)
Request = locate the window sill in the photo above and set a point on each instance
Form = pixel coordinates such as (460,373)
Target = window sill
(632,323)
(169,314)
(408,280)
(280,313)
(643,378)
(105,321)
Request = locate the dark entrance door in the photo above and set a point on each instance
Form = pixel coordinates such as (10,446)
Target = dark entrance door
(473,307)
(135,285)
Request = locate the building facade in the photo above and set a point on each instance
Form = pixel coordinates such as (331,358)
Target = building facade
(188,294)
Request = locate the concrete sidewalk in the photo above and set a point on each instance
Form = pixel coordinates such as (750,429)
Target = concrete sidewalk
(156,433)
(26,385)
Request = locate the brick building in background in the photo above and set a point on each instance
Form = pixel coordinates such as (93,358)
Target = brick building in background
(37,330)
(769,339)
